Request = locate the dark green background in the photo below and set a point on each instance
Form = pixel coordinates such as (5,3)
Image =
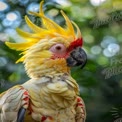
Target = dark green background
(102,96)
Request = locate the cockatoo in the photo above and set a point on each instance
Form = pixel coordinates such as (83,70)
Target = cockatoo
(51,94)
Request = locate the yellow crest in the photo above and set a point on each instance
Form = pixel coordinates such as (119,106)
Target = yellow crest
(49,30)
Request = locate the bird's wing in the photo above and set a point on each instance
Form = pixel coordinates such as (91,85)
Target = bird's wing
(10,103)
(80,110)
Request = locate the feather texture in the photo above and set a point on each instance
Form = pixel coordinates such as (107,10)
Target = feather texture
(11,102)
(51,95)
(49,31)
(55,98)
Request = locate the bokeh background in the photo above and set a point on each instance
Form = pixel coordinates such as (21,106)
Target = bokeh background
(100,22)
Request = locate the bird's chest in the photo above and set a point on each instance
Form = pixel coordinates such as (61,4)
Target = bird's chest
(52,106)
(64,115)
(52,101)
(53,96)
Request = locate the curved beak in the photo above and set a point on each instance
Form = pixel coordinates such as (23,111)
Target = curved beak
(77,57)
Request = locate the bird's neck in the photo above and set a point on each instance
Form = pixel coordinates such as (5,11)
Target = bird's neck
(50,67)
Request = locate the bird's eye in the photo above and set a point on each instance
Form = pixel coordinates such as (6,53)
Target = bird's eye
(58,48)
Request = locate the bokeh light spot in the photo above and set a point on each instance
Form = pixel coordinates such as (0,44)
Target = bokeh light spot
(65,3)
(11,16)
(97,2)
(107,53)
(88,38)
(53,12)
(3,61)
(96,50)
(23,2)
(102,60)
(33,7)
(113,48)
(3,6)
(6,23)
(3,37)
(10,31)
(107,40)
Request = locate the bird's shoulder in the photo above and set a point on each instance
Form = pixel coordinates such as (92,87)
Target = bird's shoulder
(11,94)
(11,101)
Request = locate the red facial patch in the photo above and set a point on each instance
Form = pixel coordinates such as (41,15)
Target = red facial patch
(76,43)
(59,56)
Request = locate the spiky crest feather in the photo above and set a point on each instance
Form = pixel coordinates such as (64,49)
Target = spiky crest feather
(49,30)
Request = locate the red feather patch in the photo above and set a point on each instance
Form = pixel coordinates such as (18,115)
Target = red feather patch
(76,43)
(43,118)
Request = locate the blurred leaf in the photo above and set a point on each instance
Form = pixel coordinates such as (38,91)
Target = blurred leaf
(14,77)
(95,22)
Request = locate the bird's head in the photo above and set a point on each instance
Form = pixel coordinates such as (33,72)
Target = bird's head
(50,49)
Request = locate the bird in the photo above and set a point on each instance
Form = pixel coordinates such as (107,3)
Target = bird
(51,94)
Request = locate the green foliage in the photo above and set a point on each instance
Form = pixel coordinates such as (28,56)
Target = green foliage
(100,27)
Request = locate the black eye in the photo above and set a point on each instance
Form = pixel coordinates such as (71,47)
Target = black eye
(58,47)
